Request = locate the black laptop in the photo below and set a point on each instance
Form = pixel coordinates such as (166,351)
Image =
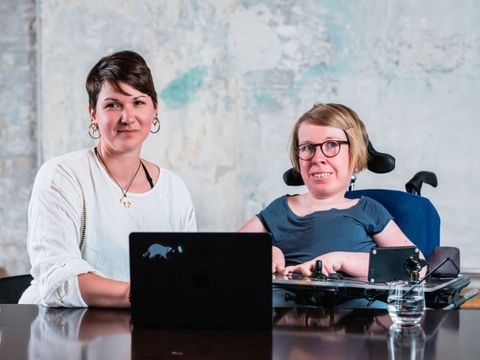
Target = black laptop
(201,279)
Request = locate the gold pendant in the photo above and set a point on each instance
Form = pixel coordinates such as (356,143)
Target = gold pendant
(125,201)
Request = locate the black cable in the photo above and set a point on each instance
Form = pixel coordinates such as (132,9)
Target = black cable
(430,274)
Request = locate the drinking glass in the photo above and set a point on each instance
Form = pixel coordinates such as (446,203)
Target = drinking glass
(406,302)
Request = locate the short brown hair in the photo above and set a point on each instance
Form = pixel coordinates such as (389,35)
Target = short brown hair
(124,66)
(341,117)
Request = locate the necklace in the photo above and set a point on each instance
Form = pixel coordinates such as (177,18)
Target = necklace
(124,200)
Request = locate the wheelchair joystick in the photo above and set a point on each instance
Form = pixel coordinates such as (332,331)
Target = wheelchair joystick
(318,270)
(414,266)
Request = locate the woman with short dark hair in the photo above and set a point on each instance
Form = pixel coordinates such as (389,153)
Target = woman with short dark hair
(85,204)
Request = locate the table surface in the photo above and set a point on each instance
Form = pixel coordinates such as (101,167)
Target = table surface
(35,332)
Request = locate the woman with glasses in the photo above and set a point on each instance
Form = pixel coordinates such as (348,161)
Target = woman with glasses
(85,204)
(328,145)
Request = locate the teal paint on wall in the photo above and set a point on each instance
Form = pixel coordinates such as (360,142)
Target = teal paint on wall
(265,100)
(182,90)
(314,71)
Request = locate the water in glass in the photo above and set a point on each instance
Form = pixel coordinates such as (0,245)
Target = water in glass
(406,303)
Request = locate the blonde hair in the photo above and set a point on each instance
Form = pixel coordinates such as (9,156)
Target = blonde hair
(340,117)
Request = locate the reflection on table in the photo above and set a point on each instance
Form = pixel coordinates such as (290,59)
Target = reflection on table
(368,334)
(406,342)
(33,332)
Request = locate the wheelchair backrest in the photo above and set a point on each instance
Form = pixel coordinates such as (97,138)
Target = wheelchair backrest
(414,214)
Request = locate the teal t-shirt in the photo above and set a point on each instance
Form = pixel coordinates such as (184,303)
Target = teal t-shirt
(301,238)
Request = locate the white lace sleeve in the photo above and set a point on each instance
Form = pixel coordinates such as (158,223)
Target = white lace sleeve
(191,221)
(55,225)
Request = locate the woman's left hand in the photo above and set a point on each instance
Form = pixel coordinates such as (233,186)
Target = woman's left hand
(331,264)
(351,263)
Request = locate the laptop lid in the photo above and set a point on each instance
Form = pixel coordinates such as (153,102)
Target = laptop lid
(201,279)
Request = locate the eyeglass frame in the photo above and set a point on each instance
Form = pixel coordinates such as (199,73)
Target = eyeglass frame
(315,146)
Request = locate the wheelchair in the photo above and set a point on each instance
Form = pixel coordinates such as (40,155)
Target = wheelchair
(418,219)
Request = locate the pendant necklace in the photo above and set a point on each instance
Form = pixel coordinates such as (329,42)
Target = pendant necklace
(124,200)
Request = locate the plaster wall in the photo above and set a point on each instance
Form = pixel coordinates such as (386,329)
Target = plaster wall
(232,78)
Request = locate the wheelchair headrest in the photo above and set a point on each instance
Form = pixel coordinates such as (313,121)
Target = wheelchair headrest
(377,162)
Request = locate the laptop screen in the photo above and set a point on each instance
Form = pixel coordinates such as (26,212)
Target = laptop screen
(201,279)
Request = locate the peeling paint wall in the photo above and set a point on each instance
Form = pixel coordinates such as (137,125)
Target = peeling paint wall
(233,76)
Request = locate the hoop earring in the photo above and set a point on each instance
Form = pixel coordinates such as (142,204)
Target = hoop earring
(156,126)
(94,132)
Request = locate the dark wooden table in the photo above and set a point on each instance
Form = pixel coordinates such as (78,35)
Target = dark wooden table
(32,332)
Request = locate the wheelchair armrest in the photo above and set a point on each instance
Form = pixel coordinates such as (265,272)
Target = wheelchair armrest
(414,185)
(451,268)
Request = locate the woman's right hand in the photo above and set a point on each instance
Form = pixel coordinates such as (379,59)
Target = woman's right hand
(98,291)
(278,260)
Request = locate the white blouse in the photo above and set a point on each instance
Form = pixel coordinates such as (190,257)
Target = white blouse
(76,224)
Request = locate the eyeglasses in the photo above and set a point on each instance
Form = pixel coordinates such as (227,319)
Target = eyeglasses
(329,148)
